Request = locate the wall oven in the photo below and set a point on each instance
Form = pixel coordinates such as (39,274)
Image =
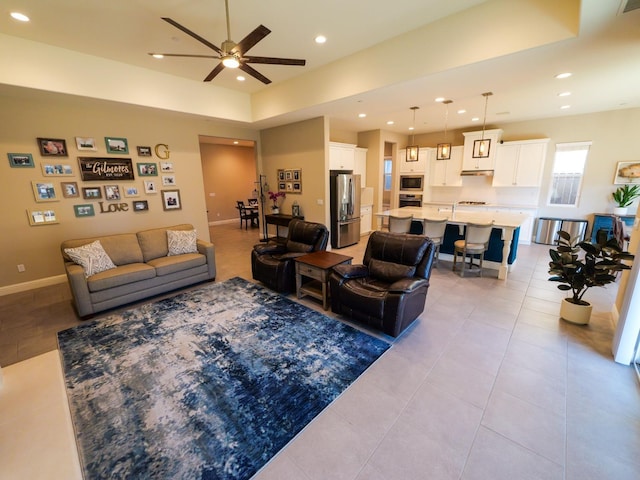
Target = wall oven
(411,183)
(408,200)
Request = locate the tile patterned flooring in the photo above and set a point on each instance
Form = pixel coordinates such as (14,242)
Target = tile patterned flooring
(487,384)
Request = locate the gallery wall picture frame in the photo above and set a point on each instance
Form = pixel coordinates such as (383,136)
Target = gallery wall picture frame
(69,189)
(105,169)
(150,186)
(166,167)
(112,192)
(140,206)
(131,191)
(144,151)
(168,180)
(44,192)
(52,147)
(171,200)
(116,145)
(42,217)
(56,169)
(21,160)
(290,180)
(147,169)
(627,173)
(91,193)
(86,143)
(84,210)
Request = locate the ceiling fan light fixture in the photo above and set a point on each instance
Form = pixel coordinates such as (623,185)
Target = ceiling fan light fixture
(230,61)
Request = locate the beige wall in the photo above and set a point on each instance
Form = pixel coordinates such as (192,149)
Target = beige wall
(229,176)
(25,117)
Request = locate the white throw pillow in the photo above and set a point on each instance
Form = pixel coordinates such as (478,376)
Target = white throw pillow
(181,241)
(92,257)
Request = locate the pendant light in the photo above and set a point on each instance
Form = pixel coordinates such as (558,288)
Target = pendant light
(412,150)
(481,147)
(443,151)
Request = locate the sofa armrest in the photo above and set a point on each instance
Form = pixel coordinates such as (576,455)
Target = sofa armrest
(407,285)
(79,288)
(271,247)
(351,271)
(290,255)
(208,250)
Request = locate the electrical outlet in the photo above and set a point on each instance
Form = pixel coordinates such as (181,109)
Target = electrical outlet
(21,268)
(320,201)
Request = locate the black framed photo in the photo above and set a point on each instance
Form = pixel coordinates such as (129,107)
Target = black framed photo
(85,210)
(140,206)
(171,200)
(144,151)
(91,193)
(21,160)
(116,145)
(53,147)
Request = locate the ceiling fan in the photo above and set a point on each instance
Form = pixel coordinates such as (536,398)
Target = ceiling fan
(232,55)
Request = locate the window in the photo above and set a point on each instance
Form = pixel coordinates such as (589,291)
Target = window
(568,170)
(388,168)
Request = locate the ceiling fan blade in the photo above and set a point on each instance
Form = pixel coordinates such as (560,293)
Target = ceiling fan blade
(214,72)
(276,61)
(192,34)
(184,55)
(254,73)
(250,40)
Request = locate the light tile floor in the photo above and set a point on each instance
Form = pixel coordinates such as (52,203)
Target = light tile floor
(487,384)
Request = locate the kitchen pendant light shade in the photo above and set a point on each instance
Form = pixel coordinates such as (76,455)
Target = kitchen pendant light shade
(482,147)
(412,150)
(443,151)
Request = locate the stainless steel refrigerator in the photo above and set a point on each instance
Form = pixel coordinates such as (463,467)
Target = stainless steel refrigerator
(345,208)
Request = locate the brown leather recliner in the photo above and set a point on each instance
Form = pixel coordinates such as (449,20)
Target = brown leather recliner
(388,291)
(272,263)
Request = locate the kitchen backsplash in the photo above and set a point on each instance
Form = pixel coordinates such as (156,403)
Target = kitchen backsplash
(480,189)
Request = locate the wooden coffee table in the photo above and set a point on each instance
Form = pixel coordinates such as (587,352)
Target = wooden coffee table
(317,265)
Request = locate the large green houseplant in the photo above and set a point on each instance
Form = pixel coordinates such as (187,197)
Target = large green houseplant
(578,266)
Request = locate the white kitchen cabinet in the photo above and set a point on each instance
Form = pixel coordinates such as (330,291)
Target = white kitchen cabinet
(446,173)
(366,218)
(360,165)
(342,156)
(520,164)
(417,166)
(474,163)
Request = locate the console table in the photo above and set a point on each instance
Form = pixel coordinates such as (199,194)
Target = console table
(279,220)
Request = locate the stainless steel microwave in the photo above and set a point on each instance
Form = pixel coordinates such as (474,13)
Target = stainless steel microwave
(412,183)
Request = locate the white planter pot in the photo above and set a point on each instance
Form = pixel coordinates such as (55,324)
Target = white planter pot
(620,211)
(572,313)
(275,211)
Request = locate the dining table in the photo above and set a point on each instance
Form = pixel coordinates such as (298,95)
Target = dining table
(506,222)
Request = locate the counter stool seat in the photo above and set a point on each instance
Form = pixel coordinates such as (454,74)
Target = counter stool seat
(475,243)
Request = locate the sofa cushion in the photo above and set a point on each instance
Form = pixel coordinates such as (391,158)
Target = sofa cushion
(176,263)
(181,241)
(92,257)
(121,248)
(130,273)
(154,242)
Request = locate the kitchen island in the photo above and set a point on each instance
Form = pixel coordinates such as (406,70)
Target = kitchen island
(503,245)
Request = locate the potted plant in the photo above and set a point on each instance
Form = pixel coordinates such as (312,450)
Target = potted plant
(624,197)
(578,266)
(275,198)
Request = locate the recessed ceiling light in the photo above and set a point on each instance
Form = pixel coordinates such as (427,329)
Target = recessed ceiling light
(240,78)
(320,39)
(565,107)
(390,122)
(564,75)
(475,119)
(236,142)
(19,16)
(410,128)
(439,99)
(564,94)
(157,55)
(362,115)
(462,111)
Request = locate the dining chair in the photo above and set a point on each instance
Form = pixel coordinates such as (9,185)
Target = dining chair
(475,242)
(434,231)
(400,224)
(246,215)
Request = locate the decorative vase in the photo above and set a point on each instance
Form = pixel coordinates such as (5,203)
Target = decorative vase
(620,211)
(275,210)
(573,313)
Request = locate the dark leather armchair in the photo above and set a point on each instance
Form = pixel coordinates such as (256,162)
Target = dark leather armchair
(388,291)
(273,263)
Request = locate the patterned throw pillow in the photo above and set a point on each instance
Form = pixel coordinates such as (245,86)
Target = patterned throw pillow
(92,257)
(181,241)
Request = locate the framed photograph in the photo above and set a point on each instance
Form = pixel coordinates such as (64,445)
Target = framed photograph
(44,192)
(42,217)
(288,175)
(105,169)
(112,192)
(69,189)
(140,206)
(282,187)
(116,145)
(144,151)
(289,187)
(168,180)
(21,160)
(85,210)
(297,175)
(147,169)
(171,200)
(296,187)
(86,143)
(150,186)
(481,148)
(57,170)
(281,175)
(91,193)
(52,147)
(166,167)
(131,191)
(627,173)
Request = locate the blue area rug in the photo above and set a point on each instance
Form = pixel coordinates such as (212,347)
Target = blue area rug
(209,384)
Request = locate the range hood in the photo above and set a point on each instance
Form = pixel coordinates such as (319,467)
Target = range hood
(476,173)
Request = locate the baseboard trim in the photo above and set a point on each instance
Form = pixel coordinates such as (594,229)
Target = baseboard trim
(223,222)
(26,286)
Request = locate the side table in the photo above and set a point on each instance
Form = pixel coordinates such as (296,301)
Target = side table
(317,265)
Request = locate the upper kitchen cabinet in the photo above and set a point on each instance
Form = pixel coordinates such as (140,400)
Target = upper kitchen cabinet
(520,163)
(446,173)
(480,151)
(360,165)
(414,166)
(342,156)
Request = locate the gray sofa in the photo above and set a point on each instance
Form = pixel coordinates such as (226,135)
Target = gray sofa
(143,268)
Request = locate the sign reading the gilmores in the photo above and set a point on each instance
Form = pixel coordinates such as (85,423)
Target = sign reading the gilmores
(100,169)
